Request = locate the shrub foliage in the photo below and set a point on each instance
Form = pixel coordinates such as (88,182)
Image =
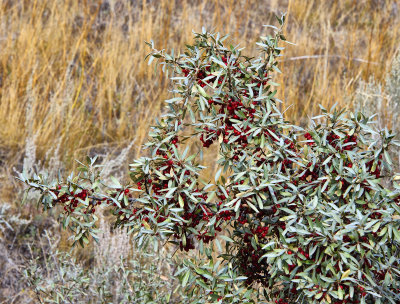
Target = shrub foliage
(293,215)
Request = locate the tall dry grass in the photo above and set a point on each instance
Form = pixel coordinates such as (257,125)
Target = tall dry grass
(73,79)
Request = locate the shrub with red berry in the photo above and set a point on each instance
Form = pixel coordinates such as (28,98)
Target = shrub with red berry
(293,215)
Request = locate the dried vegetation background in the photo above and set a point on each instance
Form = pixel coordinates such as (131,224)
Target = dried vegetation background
(73,82)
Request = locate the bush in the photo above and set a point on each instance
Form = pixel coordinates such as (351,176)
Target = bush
(293,215)
(57,277)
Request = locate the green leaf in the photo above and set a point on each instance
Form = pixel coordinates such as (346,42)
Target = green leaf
(226,238)
(201,91)
(262,141)
(171,192)
(116,183)
(185,278)
(181,202)
(387,157)
(345,274)
(396,233)
(218,174)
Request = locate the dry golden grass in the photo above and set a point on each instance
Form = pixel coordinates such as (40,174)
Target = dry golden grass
(73,75)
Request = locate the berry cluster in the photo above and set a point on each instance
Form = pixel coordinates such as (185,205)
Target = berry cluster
(249,255)
(70,199)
